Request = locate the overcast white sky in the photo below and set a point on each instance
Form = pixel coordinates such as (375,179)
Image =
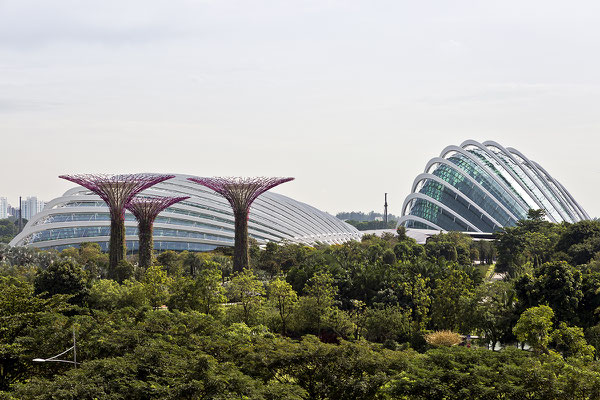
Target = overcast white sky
(352,98)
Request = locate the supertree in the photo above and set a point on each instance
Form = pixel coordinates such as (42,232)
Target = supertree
(116,191)
(240,192)
(145,210)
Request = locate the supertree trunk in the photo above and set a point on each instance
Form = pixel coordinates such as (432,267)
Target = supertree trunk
(240,193)
(145,210)
(116,245)
(146,244)
(241,259)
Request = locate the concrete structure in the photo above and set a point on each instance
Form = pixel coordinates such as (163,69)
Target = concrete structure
(201,223)
(483,187)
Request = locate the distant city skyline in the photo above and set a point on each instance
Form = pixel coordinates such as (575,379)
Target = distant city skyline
(350,97)
(30,206)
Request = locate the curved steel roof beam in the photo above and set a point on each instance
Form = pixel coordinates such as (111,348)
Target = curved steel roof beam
(442,206)
(439,160)
(578,209)
(549,182)
(425,176)
(575,201)
(508,170)
(418,219)
(491,174)
(556,207)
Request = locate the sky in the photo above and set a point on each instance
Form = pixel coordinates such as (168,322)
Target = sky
(352,98)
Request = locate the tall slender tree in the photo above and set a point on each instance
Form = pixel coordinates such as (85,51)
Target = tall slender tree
(240,192)
(145,210)
(116,191)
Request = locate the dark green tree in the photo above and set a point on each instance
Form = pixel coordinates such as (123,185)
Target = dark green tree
(64,277)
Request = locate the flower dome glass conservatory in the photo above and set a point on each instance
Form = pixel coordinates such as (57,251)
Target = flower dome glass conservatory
(483,187)
(200,223)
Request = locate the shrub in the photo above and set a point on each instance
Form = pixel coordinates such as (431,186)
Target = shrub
(443,338)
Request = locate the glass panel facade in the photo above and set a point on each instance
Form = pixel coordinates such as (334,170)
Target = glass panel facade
(474,193)
(94,231)
(484,179)
(502,173)
(457,204)
(440,217)
(133,246)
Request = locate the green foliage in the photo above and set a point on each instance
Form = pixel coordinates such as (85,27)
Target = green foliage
(556,284)
(106,294)
(570,341)
(9,228)
(361,216)
(317,304)
(387,324)
(534,327)
(448,298)
(21,311)
(451,246)
(371,225)
(156,286)
(492,312)
(208,289)
(365,301)
(170,260)
(248,291)
(122,271)
(580,241)
(458,373)
(530,241)
(284,299)
(64,277)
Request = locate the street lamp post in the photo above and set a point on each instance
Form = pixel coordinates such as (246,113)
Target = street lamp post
(56,359)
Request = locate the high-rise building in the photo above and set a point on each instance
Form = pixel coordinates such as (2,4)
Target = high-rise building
(13,211)
(3,208)
(31,206)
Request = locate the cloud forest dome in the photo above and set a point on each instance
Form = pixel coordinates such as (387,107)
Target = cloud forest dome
(200,223)
(483,187)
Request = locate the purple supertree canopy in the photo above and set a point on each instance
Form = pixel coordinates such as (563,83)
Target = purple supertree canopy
(147,208)
(240,192)
(117,190)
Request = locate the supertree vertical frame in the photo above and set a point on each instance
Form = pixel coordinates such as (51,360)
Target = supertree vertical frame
(145,210)
(116,191)
(240,192)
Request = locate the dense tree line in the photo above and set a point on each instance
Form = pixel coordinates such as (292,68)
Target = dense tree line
(363,217)
(369,225)
(9,228)
(376,319)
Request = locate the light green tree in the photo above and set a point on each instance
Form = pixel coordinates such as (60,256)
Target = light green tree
(319,300)
(156,285)
(106,294)
(570,341)
(534,327)
(447,307)
(209,289)
(283,298)
(246,289)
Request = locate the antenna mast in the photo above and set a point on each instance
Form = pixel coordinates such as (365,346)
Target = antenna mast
(385,214)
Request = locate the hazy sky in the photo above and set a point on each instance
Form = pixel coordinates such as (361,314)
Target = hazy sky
(350,97)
